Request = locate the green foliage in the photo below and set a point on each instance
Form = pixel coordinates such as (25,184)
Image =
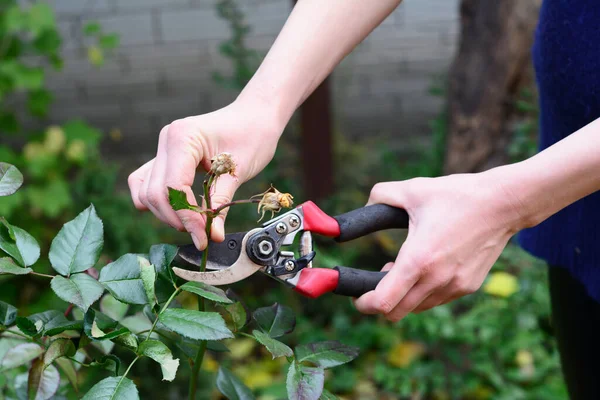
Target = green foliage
(11,179)
(196,325)
(207,291)
(305,383)
(275,347)
(232,387)
(113,388)
(276,320)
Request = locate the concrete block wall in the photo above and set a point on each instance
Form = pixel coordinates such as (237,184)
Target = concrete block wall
(169,49)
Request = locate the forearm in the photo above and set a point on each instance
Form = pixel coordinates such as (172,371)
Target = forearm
(316,37)
(556,177)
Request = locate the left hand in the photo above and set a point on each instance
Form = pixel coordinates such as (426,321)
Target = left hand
(459,225)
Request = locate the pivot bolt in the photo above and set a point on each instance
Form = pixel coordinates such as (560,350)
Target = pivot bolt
(281,228)
(294,221)
(265,248)
(289,265)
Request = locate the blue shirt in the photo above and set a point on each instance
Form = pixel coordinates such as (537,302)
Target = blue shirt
(566,56)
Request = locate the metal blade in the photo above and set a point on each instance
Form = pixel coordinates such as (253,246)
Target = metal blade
(220,255)
(242,268)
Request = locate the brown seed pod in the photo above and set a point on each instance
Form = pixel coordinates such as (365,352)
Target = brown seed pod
(273,200)
(222,164)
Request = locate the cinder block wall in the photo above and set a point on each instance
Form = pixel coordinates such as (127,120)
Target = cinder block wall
(169,49)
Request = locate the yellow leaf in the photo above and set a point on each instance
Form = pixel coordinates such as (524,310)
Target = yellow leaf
(76,151)
(241,348)
(95,55)
(209,364)
(404,353)
(257,378)
(524,358)
(501,284)
(55,139)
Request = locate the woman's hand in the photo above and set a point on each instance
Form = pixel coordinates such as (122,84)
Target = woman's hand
(459,225)
(186,145)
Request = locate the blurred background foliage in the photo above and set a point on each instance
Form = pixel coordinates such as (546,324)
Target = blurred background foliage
(495,344)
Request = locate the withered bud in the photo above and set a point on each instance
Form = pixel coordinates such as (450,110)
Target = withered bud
(273,200)
(222,164)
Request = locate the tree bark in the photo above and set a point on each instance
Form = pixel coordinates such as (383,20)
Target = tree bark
(491,65)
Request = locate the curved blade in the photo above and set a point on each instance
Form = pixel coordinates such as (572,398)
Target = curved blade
(220,255)
(242,268)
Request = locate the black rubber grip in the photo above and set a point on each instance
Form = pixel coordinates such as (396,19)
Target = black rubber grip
(356,282)
(369,219)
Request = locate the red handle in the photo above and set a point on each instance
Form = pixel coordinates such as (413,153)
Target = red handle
(315,220)
(314,282)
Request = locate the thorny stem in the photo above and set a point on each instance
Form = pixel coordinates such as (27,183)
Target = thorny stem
(201,350)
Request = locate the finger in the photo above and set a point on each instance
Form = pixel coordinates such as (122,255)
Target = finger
(387,193)
(392,288)
(415,297)
(158,194)
(433,300)
(135,181)
(145,195)
(224,191)
(183,157)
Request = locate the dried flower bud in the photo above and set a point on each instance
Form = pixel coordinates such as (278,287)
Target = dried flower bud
(273,200)
(222,164)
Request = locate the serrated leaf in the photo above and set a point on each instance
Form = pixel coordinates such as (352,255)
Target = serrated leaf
(77,246)
(43,381)
(108,362)
(18,244)
(68,368)
(79,289)
(178,200)
(195,324)
(148,276)
(59,325)
(11,179)
(231,387)
(61,347)
(161,256)
(21,354)
(8,314)
(238,315)
(98,326)
(8,266)
(207,291)
(276,320)
(115,388)
(326,354)
(113,308)
(304,383)
(37,323)
(275,347)
(128,340)
(122,279)
(160,353)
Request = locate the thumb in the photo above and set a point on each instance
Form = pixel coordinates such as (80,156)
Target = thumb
(224,190)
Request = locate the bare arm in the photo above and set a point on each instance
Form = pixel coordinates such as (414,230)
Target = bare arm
(316,37)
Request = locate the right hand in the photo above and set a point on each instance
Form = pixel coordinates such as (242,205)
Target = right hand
(188,144)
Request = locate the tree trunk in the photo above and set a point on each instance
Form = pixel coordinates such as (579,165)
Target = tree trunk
(492,64)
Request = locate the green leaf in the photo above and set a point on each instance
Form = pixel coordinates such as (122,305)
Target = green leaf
(8,314)
(38,102)
(122,279)
(304,383)
(41,18)
(207,291)
(326,354)
(43,381)
(327,395)
(18,244)
(238,314)
(8,266)
(275,347)
(41,323)
(137,322)
(98,326)
(195,324)
(115,388)
(109,41)
(21,354)
(148,276)
(128,340)
(11,179)
(160,353)
(79,289)
(59,325)
(161,256)
(178,200)
(108,362)
(61,347)
(216,346)
(92,28)
(77,246)
(276,320)
(113,308)
(231,387)
(80,130)
(68,368)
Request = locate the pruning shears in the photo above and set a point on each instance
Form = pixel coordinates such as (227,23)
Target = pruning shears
(263,249)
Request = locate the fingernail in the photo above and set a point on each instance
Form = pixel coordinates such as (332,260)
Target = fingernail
(197,242)
(219,227)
